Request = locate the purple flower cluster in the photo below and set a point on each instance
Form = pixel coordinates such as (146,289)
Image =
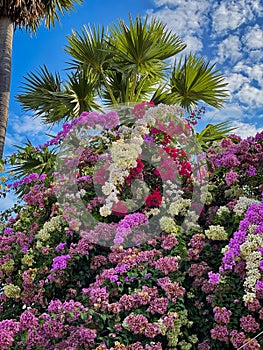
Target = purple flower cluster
(90,119)
(214,278)
(231,177)
(172,289)
(196,244)
(222,315)
(167,264)
(99,297)
(60,262)
(8,330)
(249,324)
(220,333)
(27,180)
(241,159)
(125,226)
(253,216)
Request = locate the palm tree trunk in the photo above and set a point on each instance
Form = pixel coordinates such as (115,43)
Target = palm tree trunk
(6,42)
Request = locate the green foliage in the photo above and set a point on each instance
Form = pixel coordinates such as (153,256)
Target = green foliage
(193,80)
(126,63)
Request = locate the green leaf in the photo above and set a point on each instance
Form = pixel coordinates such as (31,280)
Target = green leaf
(195,80)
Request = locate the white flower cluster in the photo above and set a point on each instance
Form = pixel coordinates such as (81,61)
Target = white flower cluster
(242,204)
(221,210)
(168,225)
(153,212)
(80,193)
(54,224)
(190,221)
(216,233)
(172,192)
(180,206)
(162,112)
(249,252)
(123,156)
(206,196)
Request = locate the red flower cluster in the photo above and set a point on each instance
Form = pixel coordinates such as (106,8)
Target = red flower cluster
(139,109)
(135,172)
(154,199)
(164,137)
(184,168)
(119,209)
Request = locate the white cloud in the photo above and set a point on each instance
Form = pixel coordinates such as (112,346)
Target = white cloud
(245,130)
(253,38)
(185,18)
(235,81)
(252,71)
(194,44)
(230,15)
(166,2)
(8,201)
(255,55)
(28,124)
(22,128)
(231,112)
(230,48)
(13,139)
(251,95)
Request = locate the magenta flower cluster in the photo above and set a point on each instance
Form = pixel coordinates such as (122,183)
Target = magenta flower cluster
(125,226)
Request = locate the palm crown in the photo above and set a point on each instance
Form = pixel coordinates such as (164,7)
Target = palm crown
(126,63)
(30,13)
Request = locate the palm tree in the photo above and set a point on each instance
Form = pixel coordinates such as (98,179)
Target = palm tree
(127,63)
(28,14)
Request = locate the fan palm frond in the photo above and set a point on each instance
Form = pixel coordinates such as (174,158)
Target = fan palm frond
(141,47)
(214,132)
(52,101)
(29,159)
(195,80)
(31,13)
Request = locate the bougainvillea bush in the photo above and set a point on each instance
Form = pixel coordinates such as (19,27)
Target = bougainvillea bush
(136,239)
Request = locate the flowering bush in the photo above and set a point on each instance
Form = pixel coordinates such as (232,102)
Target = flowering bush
(136,240)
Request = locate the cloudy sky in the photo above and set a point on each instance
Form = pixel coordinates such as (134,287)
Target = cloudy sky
(227,32)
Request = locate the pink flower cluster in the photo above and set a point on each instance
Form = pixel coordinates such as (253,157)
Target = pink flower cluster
(167,264)
(222,315)
(172,289)
(125,226)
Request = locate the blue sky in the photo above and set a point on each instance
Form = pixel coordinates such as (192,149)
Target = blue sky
(227,32)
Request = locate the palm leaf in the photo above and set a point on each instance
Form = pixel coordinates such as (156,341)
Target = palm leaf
(214,132)
(141,47)
(89,47)
(162,95)
(30,14)
(37,93)
(121,83)
(55,8)
(28,160)
(81,92)
(194,80)
(52,101)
